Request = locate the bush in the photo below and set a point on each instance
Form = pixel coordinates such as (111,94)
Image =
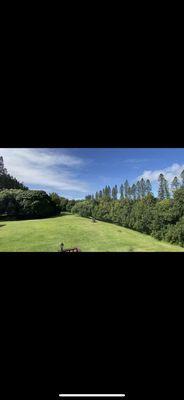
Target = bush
(26,204)
(175,233)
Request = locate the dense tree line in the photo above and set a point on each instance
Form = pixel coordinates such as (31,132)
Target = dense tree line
(16,203)
(163,219)
(7,181)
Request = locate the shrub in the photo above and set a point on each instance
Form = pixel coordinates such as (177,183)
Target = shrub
(26,204)
(175,233)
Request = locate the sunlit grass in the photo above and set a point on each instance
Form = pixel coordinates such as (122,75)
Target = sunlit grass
(74,231)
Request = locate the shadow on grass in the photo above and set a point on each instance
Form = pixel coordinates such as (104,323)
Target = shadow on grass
(2,225)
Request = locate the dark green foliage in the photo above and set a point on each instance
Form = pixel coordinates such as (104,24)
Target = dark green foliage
(70,205)
(7,181)
(175,184)
(148,187)
(179,202)
(88,197)
(56,200)
(26,204)
(115,192)
(133,191)
(182,179)
(142,188)
(84,208)
(163,191)
(147,215)
(126,189)
(121,192)
(138,190)
(63,204)
(175,233)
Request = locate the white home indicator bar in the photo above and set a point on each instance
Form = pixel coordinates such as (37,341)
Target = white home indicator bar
(91,395)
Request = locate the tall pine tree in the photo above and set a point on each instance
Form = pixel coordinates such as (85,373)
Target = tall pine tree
(161,189)
(115,192)
(148,187)
(138,190)
(166,188)
(182,179)
(133,191)
(175,184)
(126,189)
(3,170)
(143,188)
(121,192)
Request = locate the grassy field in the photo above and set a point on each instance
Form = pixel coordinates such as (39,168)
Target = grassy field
(74,231)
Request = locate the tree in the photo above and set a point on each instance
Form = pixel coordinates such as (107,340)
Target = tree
(148,187)
(126,189)
(161,189)
(27,203)
(107,192)
(88,197)
(56,199)
(175,184)
(138,190)
(182,179)
(70,205)
(142,188)
(133,191)
(7,181)
(121,192)
(100,194)
(115,192)
(63,203)
(3,170)
(166,189)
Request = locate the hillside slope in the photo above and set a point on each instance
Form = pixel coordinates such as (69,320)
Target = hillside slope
(74,231)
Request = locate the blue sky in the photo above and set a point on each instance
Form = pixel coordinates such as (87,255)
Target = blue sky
(75,172)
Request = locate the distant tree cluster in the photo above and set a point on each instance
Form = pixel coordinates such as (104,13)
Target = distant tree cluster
(63,204)
(139,190)
(7,181)
(125,191)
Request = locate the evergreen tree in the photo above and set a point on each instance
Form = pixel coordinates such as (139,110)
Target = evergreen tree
(129,192)
(175,183)
(161,189)
(115,192)
(100,194)
(109,192)
(166,189)
(142,188)
(133,191)
(3,170)
(88,197)
(121,192)
(148,187)
(138,190)
(126,189)
(7,181)
(182,179)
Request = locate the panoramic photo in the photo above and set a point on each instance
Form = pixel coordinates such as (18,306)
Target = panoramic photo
(91,200)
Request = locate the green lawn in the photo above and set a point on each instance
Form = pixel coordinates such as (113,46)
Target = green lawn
(74,231)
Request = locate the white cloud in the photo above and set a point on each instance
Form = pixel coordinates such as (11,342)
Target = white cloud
(53,170)
(169,173)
